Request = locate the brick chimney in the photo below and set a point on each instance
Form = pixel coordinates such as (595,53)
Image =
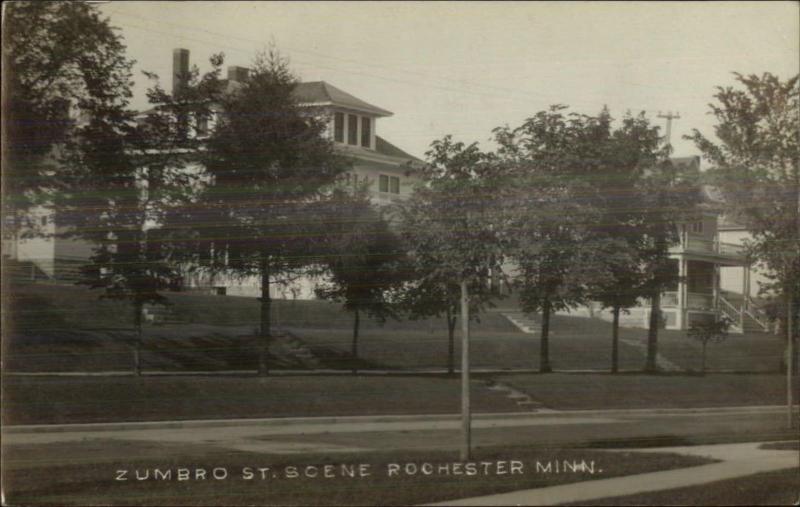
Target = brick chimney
(239,74)
(180,69)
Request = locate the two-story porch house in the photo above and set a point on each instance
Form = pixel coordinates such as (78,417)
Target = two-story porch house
(700,258)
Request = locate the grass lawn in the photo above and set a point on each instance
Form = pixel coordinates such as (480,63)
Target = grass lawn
(43,475)
(603,391)
(781,487)
(48,400)
(66,328)
(782,446)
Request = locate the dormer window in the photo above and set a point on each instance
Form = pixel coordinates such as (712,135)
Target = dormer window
(366,132)
(338,127)
(352,129)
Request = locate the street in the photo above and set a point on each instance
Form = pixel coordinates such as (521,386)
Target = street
(544,428)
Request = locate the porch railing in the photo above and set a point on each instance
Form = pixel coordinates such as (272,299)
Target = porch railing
(756,313)
(695,300)
(730,311)
(693,244)
(698,301)
(748,308)
(669,299)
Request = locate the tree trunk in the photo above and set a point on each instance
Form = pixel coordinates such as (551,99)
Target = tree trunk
(451,345)
(652,332)
(137,346)
(703,361)
(265,329)
(544,351)
(354,347)
(615,341)
(789,358)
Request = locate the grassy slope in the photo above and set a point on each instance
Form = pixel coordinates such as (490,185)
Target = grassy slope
(55,327)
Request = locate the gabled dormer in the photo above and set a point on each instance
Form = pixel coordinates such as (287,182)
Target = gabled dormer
(352,121)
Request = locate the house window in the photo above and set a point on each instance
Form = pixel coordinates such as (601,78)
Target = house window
(389,184)
(366,132)
(44,220)
(338,127)
(697,227)
(352,129)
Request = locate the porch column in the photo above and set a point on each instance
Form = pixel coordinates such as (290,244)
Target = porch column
(745,293)
(747,282)
(682,293)
(715,288)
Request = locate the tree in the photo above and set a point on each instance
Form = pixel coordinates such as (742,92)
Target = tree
(120,179)
(267,159)
(625,154)
(361,256)
(552,159)
(449,227)
(73,145)
(58,57)
(427,296)
(710,331)
(756,165)
(669,194)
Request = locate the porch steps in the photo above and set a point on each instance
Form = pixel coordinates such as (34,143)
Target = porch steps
(523,321)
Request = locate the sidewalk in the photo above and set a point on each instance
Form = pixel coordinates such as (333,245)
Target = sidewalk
(330,422)
(737,460)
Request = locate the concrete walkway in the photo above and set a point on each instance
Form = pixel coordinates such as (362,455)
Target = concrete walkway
(737,460)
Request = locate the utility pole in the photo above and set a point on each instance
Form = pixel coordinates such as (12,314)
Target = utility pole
(669,117)
(466,415)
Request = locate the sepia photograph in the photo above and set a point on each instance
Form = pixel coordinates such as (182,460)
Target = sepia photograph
(400,253)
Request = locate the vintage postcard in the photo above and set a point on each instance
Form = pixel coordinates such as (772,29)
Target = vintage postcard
(400,253)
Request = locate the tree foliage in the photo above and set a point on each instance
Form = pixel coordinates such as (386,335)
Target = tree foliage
(58,58)
(362,260)
(267,160)
(756,165)
(709,331)
(121,177)
(449,227)
(549,162)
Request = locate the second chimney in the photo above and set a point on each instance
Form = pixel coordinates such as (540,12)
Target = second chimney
(180,69)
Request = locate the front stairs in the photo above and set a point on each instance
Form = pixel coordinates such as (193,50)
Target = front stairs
(524,322)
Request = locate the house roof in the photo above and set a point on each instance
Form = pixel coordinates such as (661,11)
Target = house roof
(384,147)
(322,93)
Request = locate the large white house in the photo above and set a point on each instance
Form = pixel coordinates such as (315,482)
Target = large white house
(354,130)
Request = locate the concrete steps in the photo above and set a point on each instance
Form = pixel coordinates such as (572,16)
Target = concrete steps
(524,322)
(521,399)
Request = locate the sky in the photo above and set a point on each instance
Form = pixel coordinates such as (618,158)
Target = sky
(466,68)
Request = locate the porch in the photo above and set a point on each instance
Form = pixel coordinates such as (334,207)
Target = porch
(697,297)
